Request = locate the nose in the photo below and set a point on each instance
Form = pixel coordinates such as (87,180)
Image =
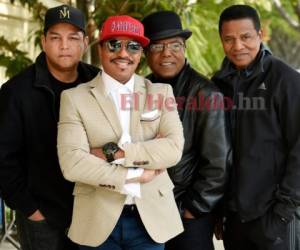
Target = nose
(64,43)
(123,51)
(238,44)
(166,51)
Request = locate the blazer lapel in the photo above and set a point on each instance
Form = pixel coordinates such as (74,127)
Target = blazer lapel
(106,104)
(139,96)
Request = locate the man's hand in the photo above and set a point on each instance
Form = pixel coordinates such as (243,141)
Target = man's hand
(119,154)
(147,176)
(98,153)
(36,216)
(188,215)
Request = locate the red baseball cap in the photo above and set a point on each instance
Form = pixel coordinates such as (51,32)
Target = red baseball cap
(123,26)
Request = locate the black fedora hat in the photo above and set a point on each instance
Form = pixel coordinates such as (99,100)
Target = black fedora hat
(164,24)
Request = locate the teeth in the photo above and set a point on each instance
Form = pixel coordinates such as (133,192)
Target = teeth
(166,64)
(240,55)
(121,63)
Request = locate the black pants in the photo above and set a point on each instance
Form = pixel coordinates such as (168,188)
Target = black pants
(38,235)
(265,233)
(197,235)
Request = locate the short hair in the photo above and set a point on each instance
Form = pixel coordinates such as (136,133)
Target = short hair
(239,11)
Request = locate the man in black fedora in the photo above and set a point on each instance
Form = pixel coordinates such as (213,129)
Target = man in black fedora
(200,175)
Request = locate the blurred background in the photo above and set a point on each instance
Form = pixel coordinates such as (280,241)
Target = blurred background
(21,25)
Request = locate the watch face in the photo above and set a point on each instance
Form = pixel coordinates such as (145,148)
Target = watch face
(109,150)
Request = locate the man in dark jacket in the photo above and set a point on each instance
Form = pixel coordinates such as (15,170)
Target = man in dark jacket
(30,177)
(264,127)
(200,175)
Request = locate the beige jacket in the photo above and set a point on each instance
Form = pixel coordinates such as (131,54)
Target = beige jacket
(88,119)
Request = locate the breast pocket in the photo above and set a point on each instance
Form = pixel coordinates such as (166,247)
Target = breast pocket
(150,128)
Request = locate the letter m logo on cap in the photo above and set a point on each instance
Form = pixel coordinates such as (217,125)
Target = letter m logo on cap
(64,13)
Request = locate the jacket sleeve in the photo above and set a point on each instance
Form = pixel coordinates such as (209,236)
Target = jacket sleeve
(162,152)
(209,181)
(76,161)
(288,101)
(13,173)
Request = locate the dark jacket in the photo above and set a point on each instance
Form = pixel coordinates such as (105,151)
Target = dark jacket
(30,176)
(200,175)
(265,136)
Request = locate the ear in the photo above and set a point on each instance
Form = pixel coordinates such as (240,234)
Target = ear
(85,42)
(43,41)
(260,34)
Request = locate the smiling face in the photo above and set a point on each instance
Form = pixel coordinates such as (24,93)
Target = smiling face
(241,41)
(120,64)
(167,63)
(64,44)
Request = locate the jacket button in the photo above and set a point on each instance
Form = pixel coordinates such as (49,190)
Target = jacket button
(113,187)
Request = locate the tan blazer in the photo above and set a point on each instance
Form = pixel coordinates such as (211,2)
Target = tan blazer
(88,119)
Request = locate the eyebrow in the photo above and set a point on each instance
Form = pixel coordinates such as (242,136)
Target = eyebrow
(56,33)
(53,33)
(171,41)
(233,35)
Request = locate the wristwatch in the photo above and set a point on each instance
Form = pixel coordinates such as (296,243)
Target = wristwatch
(109,150)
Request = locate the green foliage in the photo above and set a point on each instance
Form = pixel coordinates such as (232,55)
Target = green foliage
(38,14)
(13,59)
(29,3)
(204,50)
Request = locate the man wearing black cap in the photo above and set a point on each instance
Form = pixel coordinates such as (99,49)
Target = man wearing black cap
(30,177)
(200,175)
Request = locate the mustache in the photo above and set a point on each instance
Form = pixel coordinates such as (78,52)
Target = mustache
(122,59)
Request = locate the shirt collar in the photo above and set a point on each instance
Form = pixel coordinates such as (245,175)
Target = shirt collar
(254,68)
(112,85)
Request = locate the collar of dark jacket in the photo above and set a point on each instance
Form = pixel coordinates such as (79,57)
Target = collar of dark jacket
(41,71)
(256,67)
(86,72)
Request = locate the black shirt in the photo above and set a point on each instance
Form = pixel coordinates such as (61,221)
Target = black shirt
(58,87)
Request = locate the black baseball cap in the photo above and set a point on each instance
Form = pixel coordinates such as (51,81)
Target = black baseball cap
(64,14)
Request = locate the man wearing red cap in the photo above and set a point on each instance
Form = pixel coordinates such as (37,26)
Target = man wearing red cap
(123,198)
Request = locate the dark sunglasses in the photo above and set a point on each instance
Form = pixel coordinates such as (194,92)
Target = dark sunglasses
(132,47)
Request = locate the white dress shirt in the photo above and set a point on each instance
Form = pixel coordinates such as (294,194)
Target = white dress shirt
(119,93)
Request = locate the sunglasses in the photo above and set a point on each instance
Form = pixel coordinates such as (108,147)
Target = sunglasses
(132,47)
(159,47)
